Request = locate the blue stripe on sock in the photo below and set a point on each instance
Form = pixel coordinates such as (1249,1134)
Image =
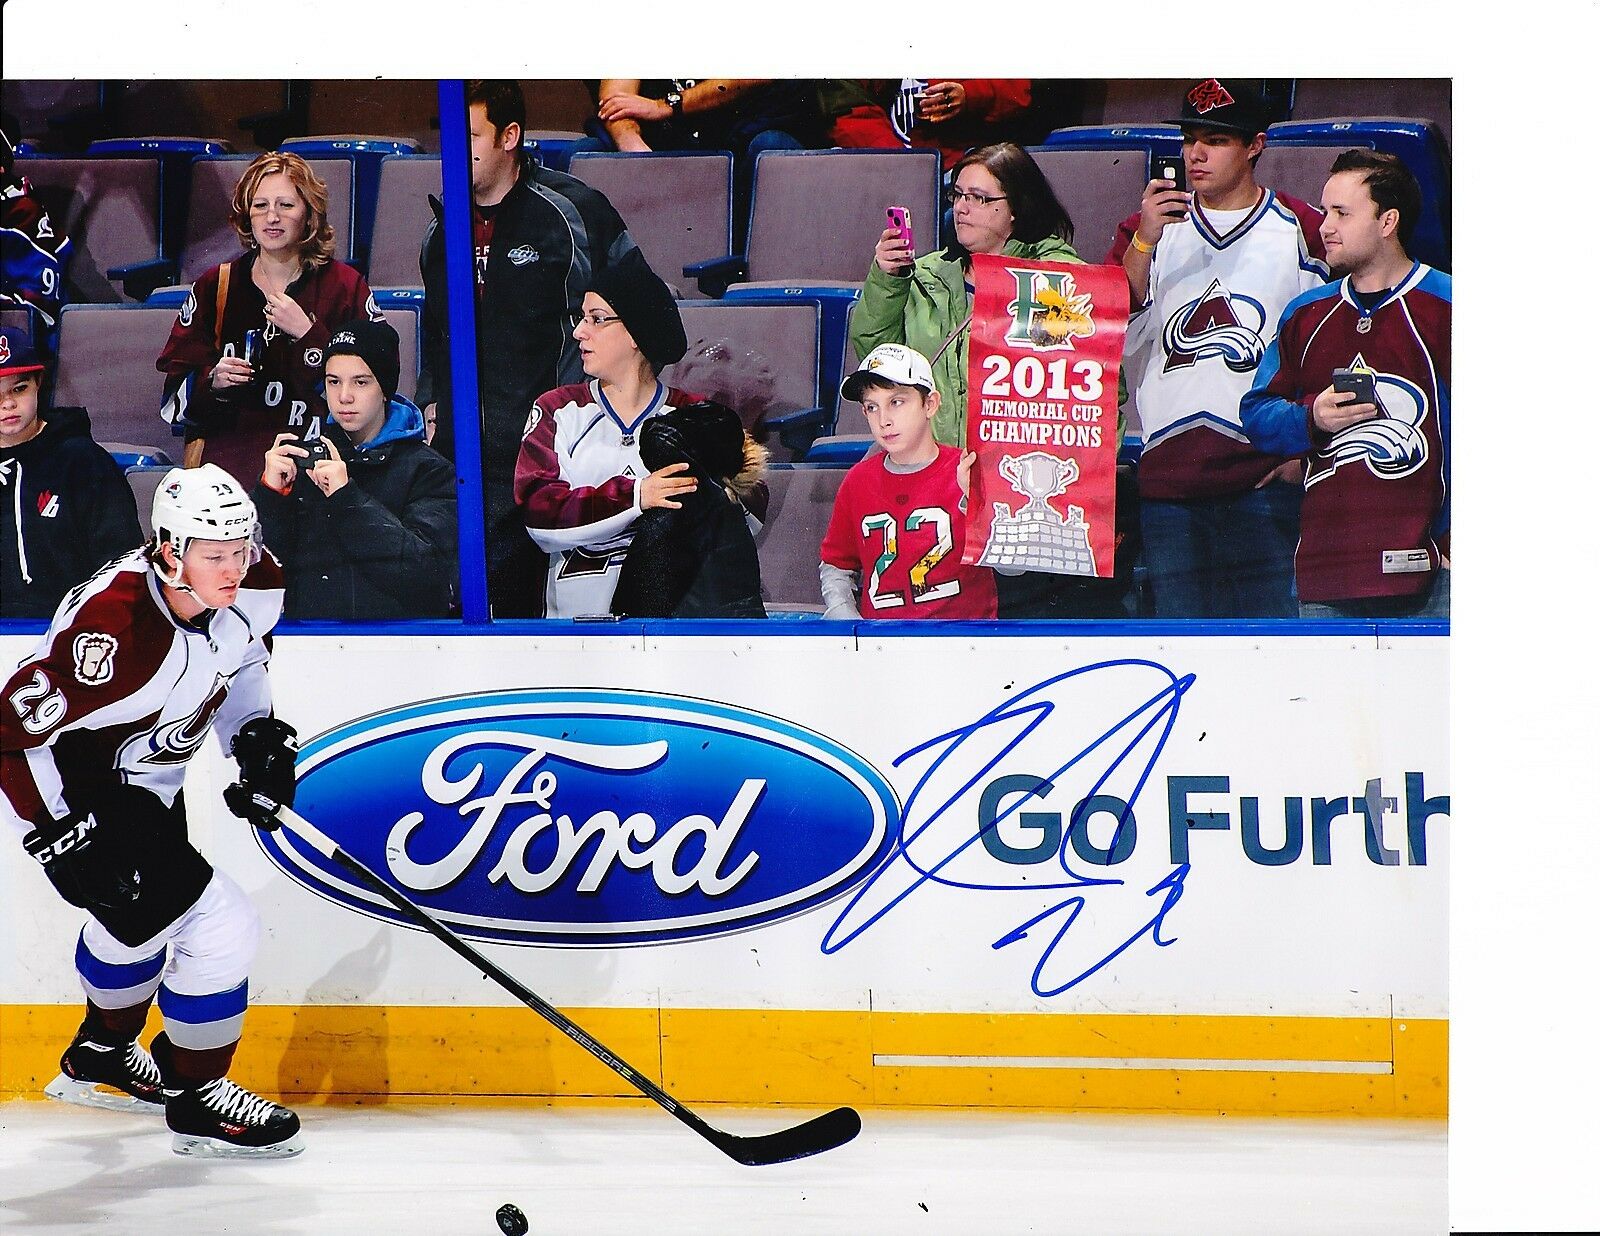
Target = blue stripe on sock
(198,1010)
(109,976)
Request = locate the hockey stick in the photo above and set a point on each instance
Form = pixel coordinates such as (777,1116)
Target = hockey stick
(820,1133)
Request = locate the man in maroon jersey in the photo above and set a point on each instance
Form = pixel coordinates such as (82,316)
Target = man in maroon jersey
(1374,527)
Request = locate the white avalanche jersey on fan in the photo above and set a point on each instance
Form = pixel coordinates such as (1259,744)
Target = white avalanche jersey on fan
(577,485)
(1219,282)
(121,687)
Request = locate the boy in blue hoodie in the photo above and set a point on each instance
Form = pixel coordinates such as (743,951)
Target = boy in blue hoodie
(369,531)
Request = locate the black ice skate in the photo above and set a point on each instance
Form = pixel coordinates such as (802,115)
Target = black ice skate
(117,1076)
(221,1120)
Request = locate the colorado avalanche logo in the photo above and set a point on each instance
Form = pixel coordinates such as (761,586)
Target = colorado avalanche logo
(175,741)
(186,314)
(1393,444)
(1216,323)
(374,314)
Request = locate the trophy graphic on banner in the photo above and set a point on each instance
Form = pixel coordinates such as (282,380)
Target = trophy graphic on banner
(1036,537)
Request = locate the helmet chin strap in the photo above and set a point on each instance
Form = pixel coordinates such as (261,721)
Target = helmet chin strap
(175,581)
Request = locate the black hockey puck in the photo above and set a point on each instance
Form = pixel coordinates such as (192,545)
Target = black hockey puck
(511,1220)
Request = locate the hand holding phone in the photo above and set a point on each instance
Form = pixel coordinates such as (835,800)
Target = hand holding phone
(1361,383)
(1168,167)
(316,450)
(900,220)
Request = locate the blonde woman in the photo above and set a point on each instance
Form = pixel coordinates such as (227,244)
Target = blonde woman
(244,360)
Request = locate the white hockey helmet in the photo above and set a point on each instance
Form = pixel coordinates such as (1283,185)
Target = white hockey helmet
(200,504)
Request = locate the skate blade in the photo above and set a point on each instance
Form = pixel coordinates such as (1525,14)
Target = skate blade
(89,1094)
(210,1148)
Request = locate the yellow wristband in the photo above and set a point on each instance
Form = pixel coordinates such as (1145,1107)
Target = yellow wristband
(1141,246)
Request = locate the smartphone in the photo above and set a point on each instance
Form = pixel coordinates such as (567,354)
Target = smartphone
(1168,167)
(253,349)
(316,451)
(1358,382)
(900,220)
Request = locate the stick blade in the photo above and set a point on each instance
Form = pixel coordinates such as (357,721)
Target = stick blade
(816,1135)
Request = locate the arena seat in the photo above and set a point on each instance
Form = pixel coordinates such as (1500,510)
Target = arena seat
(785,338)
(111,209)
(816,215)
(1300,152)
(174,157)
(365,153)
(1099,188)
(790,541)
(678,207)
(400,218)
(208,236)
(144,480)
(403,309)
(108,365)
(552,148)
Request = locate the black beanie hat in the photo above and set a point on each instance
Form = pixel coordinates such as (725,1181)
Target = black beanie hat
(374,342)
(644,303)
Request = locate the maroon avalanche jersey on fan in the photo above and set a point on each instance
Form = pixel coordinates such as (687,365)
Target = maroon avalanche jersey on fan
(286,396)
(1375,501)
(901,533)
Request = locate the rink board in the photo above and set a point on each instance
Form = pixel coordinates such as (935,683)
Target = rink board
(1101,872)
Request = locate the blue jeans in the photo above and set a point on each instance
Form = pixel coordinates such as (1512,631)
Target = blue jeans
(1434,603)
(1230,557)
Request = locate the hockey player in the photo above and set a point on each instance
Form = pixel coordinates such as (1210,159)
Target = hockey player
(1374,528)
(97,727)
(1210,270)
(893,545)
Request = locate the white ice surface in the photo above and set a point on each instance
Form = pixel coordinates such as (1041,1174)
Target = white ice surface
(443,1170)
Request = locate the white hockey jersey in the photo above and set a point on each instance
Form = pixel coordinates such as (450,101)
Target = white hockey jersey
(577,487)
(121,688)
(1219,282)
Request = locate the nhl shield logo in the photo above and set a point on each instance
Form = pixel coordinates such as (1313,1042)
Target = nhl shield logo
(92,656)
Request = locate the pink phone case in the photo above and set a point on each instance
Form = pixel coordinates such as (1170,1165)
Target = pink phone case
(900,217)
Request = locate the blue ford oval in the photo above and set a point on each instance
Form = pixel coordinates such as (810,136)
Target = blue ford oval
(588,817)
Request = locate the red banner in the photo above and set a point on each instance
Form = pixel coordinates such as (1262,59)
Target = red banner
(1042,366)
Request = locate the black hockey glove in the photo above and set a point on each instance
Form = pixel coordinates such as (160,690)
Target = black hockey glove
(86,869)
(265,749)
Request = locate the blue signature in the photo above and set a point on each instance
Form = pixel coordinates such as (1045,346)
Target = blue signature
(1031,726)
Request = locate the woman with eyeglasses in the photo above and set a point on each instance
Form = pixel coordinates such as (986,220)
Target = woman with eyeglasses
(580,482)
(244,360)
(1001,203)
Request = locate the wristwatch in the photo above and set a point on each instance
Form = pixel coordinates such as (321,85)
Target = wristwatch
(675,101)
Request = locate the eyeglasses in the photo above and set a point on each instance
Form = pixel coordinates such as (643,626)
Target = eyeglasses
(956,196)
(598,319)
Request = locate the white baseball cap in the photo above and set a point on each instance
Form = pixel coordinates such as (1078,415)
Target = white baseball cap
(890,362)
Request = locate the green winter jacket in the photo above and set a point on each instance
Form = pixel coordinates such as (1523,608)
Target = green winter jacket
(920,311)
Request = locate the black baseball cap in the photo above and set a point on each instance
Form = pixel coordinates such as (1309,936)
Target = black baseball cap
(1235,105)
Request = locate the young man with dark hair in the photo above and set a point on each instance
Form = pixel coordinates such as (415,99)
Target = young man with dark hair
(539,237)
(1210,269)
(1375,525)
(369,531)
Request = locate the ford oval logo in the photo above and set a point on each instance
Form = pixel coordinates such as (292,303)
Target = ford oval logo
(588,817)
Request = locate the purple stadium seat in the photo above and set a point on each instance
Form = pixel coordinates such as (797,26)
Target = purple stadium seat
(401,218)
(676,206)
(817,214)
(1099,188)
(108,365)
(108,207)
(790,541)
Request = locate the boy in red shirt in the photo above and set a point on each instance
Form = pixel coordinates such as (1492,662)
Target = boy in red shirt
(893,546)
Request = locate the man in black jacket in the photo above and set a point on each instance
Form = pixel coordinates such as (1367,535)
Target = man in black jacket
(369,531)
(538,237)
(68,508)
